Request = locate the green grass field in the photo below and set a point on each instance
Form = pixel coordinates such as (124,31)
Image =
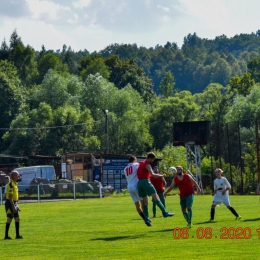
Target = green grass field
(110,228)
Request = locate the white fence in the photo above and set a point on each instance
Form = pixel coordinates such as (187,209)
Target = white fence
(57,191)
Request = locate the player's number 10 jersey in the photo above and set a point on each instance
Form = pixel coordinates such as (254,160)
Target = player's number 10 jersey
(130,172)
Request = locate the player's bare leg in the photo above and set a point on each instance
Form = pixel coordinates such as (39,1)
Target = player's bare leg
(139,209)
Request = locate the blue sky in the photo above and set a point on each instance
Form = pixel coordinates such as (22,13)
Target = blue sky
(94,24)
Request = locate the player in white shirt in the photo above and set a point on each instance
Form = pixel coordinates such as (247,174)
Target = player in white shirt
(7,180)
(221,194)
(130,172)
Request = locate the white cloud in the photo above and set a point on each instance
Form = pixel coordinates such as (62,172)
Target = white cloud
(212,12)
(14,8)
(74,20)
(211,18)
(208,18)
(94,24)
(46,10)
(81,3)
(133,16)
(165,9)
(37,34)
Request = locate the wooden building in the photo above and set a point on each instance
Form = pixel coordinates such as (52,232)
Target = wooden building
(106,168)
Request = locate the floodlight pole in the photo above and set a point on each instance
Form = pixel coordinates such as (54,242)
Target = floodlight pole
(257,151)
(106,130)
(193,154)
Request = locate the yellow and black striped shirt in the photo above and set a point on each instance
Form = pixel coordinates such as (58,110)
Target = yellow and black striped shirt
(12,190)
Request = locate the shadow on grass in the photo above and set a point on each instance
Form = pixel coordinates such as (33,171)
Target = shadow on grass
(151,218)
(117,238)
(206,222)
(251,219)
(163,230)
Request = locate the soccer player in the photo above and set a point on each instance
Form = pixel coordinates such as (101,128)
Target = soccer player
(7,180)
(11,207)
(130,172)
(185,183)
(145,187)
(159,184)
(221,187)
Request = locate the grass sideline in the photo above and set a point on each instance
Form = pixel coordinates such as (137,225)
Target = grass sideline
(110,228)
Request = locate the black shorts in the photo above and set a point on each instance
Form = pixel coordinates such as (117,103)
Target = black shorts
(9,210)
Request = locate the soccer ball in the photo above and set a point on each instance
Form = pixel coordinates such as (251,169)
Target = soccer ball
(172,170)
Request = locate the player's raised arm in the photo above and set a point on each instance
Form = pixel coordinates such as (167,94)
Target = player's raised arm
(164,182)
(170,188)
(149,168)
(195,184)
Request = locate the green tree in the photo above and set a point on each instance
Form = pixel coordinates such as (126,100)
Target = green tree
(254,68)
(221,73)
(167,85)
(57,91)
(250,162)
(214,103)
(129,125)
(201,77)
(172,156)
(69,59)
(27,131)
(76,132)
(46,131)
(50,61)
(23,59)
(245,107)
(241,85)
(125,72)
(14,40)
(12,94)
(236,69)
(93,64)
(179,108)
(4,51)
(127,116)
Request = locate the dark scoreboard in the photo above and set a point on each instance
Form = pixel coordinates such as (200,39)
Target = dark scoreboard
(197,132)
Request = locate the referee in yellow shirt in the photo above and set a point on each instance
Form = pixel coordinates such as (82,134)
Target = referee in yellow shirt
(11,207)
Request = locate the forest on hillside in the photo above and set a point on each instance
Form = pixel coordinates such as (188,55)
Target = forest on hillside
(52,101)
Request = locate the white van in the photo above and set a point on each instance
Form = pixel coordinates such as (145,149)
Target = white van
(27,174)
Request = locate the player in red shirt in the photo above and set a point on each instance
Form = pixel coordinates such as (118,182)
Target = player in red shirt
(159,184)
(145,187)
(185,183)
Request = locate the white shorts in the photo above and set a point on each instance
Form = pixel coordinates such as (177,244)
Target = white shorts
(219,198)
(133,191)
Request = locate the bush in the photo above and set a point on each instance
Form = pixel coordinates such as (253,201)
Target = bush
(54,193)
